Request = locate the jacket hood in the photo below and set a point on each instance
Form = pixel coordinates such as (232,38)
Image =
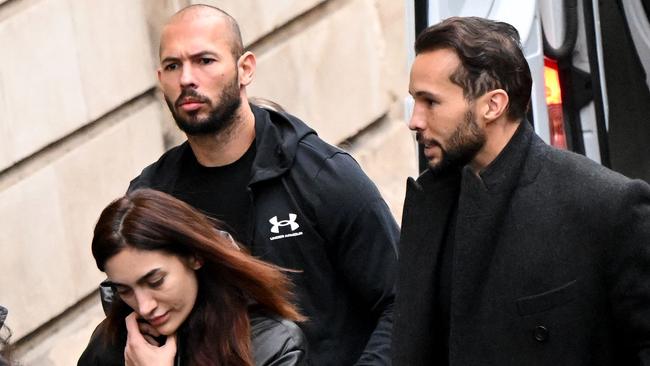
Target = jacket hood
(277,136)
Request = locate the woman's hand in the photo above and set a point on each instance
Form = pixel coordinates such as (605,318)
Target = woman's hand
(149,332)
(138,352)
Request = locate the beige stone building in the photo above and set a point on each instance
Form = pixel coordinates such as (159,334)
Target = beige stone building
(80,115)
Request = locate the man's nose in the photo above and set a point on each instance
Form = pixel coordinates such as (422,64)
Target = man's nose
(417,121)
(187,76)
(145,302)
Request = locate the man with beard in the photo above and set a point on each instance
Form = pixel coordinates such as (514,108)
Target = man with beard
(288,196)
(512,252)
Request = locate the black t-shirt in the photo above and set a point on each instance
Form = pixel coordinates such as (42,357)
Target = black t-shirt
(219,192)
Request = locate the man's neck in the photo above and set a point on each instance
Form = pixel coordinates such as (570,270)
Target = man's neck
(227,146)
(498,134)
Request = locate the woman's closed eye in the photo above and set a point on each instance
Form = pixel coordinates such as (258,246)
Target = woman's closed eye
(122,290)
(157,282)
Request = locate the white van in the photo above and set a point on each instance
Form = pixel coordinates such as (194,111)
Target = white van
(590,61)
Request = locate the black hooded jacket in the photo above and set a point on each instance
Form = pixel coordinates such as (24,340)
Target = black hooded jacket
(314,210)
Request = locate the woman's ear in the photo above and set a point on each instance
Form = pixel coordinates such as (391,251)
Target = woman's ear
(195,262)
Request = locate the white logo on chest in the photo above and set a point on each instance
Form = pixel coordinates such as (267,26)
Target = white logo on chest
(277,224)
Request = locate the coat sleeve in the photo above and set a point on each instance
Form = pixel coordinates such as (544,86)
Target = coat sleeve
(358,223)
(630,273)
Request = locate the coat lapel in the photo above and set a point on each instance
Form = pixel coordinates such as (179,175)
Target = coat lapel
(426,212)
(480,215)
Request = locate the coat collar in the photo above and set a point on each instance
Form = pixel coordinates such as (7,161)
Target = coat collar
(506,170)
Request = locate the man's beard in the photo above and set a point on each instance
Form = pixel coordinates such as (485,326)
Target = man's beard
(462,146)
(220,117)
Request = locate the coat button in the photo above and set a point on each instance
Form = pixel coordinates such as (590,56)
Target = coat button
(540,333)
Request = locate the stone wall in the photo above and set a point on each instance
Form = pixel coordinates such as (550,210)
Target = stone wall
(80,115)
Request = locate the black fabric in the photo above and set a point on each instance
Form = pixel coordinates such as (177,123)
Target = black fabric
(274,341)
(196,185)
(419,248)
(551,263)
(314,210)
(277,342)
(443,293)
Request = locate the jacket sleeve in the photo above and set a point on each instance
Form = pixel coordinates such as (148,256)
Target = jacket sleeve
(277,342)
(630,286)
(360,226)
(296,357)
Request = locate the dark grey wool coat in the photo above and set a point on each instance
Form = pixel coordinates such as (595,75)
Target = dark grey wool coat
(551,263)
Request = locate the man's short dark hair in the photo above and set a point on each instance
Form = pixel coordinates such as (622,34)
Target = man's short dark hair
(490,55)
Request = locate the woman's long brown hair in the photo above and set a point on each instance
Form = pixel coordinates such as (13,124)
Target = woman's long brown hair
(217,332)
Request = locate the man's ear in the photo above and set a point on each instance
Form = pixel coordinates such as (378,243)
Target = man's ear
(246,66)
(495,104)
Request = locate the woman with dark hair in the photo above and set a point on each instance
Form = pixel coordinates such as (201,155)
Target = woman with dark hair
(186,293)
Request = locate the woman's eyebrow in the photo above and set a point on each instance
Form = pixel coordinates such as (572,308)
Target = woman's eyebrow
(147,276)
(140,280)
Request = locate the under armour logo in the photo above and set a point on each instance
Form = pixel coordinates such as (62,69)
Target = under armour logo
(276,224)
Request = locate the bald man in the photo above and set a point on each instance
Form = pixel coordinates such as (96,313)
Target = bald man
(288,196)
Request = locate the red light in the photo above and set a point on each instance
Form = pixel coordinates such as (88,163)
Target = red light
(554,103)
